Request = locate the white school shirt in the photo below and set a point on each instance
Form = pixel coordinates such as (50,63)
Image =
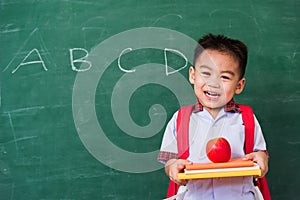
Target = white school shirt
(202,128)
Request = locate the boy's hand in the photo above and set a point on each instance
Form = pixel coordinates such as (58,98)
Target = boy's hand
(173,167)
(261,158)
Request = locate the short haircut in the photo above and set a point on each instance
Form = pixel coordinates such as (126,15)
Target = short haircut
(223,44)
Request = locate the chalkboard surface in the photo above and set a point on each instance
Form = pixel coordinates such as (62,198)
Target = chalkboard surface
(87,87)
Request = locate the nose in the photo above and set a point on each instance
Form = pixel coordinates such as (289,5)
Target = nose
(214,82)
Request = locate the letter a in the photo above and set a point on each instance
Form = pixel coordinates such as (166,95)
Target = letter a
(23,63)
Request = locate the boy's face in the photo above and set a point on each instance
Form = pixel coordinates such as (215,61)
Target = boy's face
(216,78)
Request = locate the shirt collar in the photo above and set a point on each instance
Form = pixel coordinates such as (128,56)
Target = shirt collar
(231,106)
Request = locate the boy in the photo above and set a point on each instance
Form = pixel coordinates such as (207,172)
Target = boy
(217,75)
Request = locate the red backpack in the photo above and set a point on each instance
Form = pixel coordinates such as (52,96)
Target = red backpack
(182,129)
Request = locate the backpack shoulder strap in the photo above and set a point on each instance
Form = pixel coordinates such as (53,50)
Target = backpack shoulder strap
(248,120)
(182,130)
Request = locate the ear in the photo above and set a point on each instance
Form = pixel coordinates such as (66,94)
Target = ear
(240,86)
(192,75)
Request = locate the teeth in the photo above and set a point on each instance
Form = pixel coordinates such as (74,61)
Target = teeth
(212,94)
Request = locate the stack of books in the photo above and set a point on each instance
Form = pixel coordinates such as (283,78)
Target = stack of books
(235,167)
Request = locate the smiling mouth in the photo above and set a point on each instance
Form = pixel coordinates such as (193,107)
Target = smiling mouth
(212,94)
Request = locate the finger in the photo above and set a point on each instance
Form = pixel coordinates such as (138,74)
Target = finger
(182,163)
(264,169)
(179,182)
(249,156)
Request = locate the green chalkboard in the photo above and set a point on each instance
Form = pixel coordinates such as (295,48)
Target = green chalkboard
(87,87)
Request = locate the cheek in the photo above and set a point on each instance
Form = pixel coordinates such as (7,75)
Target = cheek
(229,90)
(198,88)
(200,81)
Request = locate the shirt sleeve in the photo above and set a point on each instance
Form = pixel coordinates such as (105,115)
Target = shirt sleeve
(259,141)
(168,149)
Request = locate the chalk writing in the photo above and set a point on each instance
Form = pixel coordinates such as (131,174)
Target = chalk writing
(79,60)
(23,63)
(166,60)
(119,62)
(86,65)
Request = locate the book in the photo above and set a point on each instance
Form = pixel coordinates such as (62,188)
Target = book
(232,168)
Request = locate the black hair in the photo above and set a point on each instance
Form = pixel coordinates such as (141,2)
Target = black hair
(223,44)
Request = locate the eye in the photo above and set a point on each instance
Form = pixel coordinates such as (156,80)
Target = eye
(204,73)
(225,77)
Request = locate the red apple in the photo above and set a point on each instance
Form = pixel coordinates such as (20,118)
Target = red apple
(218,150)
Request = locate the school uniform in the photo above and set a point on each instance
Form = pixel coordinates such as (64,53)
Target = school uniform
(202,128)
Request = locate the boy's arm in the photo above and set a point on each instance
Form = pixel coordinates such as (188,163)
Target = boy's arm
(168,149)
